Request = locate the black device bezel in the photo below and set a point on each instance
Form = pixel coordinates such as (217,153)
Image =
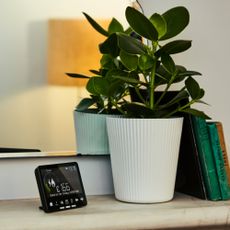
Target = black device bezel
(79,200)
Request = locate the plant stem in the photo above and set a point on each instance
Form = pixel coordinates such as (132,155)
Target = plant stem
(152,84)
(187,105)
(170,114)
(166,89)
(139,95)
(163,94)
(180,109)
(109,105)
(145,77)
(118,108)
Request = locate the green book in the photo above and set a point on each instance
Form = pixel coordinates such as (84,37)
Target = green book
(206,159)
(219,161)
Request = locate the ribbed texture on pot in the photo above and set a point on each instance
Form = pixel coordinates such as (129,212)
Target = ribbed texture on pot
(91,133)
(144,156)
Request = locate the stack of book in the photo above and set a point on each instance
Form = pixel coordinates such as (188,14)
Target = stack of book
(203,167)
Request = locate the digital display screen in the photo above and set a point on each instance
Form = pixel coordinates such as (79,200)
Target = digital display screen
(60,186)
(61,181)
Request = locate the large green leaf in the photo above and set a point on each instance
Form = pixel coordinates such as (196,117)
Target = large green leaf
(116,89)
(138,110)
(159,23)
(180,68)
(162,77)
(177,19)
(130,45)
(96,26)
(85,104)
(76,75)
(130,80)
(193,88)
(182,95)
(168,63)
(128,30)
(107,62)
(196,112)
(202,92)
(115,26)
(145,62)
(141,24)
(115,72)
(130,61)
(202,102)
(174,47)
(97,86)
(95,72)
(189,73)
(109,46)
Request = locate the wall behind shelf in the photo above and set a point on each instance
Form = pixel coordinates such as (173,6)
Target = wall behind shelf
(34,114)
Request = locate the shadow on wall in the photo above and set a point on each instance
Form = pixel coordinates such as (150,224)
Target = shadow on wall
(25,70)
(37,53)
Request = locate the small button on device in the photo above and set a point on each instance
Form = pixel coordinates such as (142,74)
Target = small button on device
(66,202)
(51,204)
(56,203)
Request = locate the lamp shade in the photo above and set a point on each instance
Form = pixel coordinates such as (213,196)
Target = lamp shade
(72,48)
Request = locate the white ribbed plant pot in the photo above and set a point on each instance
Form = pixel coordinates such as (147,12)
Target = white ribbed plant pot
(91,134)
(144,155)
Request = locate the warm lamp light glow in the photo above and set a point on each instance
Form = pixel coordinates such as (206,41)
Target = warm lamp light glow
(72,48)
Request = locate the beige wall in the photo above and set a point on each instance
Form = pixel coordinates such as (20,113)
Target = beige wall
(33,114)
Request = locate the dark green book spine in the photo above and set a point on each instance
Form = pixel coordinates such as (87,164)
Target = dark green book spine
(206,159)
(219,161)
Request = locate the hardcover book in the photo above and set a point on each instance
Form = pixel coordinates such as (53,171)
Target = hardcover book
(189,173)
(206,158)
(223,148)
(219,161)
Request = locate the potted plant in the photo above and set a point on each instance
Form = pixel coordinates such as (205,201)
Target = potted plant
(105,93)
(144,143)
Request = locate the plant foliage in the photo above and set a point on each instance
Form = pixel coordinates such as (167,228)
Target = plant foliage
(140,58)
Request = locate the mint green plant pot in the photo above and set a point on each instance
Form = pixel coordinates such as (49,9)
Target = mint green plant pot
(91,134)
